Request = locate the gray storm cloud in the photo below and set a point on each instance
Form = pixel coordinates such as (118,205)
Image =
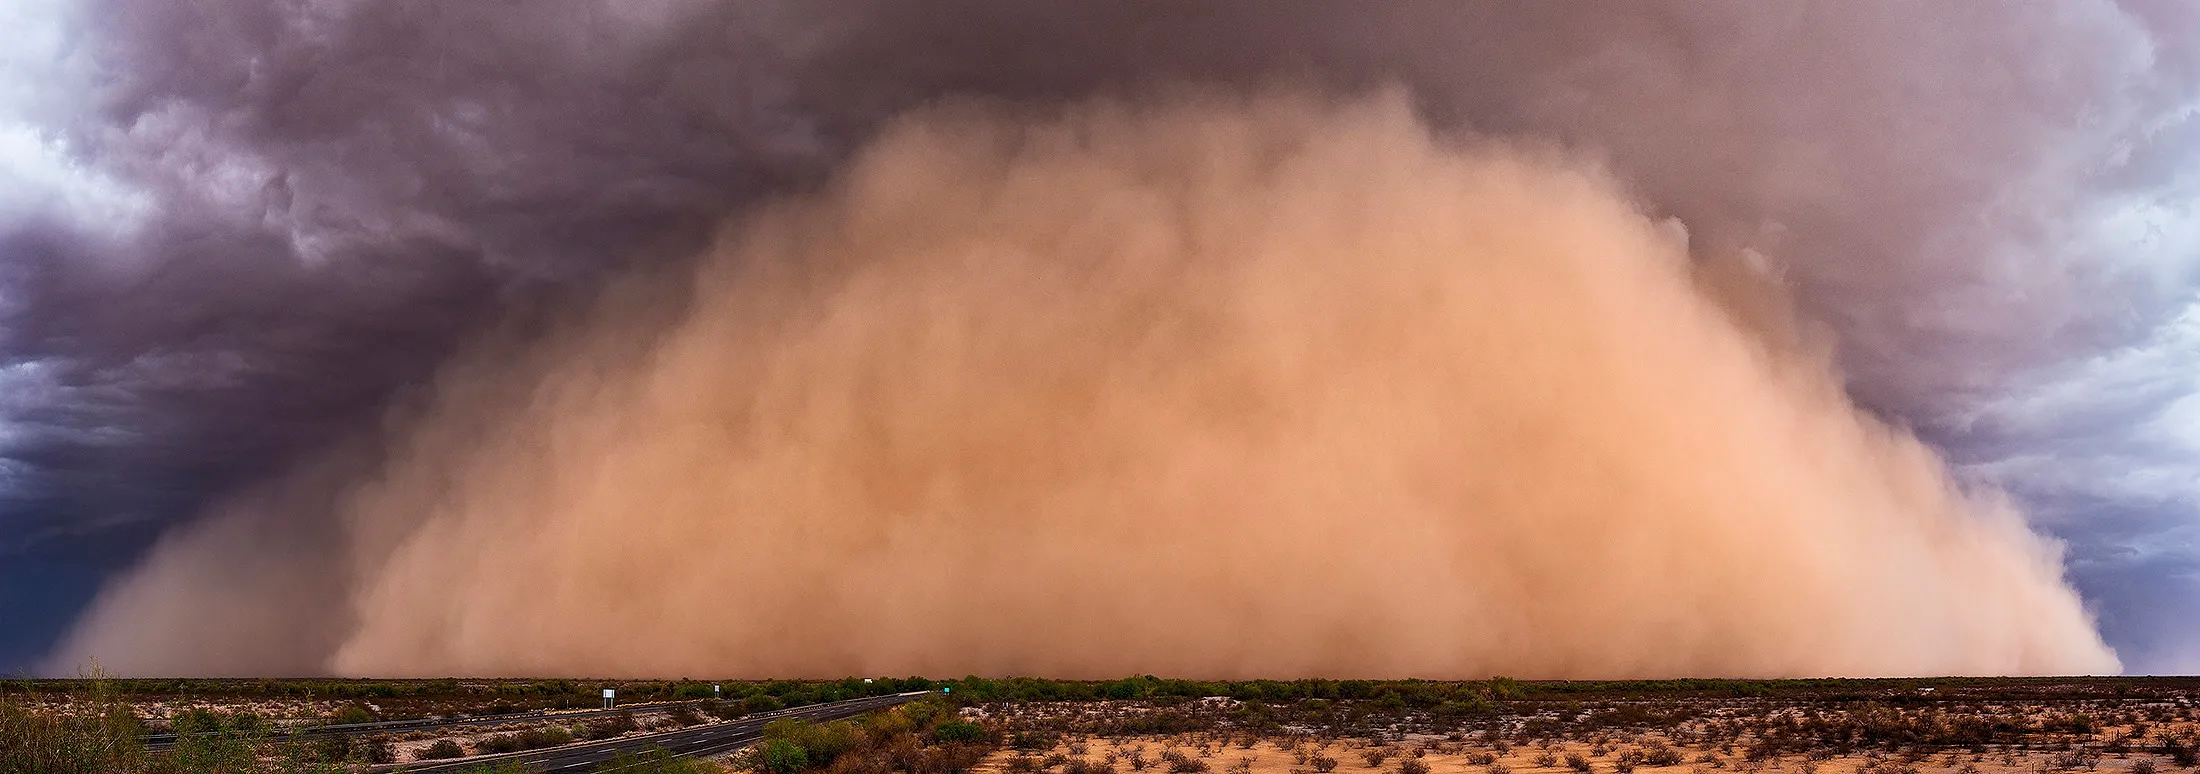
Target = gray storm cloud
(1219,388)
(268,225)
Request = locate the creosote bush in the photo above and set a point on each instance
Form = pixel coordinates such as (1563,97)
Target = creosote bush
(958,731)
(441,750)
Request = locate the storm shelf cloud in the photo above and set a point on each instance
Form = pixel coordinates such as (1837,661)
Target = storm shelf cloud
(1230,339)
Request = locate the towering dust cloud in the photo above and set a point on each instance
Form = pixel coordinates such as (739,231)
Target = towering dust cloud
(1214,386)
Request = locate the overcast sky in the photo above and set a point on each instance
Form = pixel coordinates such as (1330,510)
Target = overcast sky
(232,233)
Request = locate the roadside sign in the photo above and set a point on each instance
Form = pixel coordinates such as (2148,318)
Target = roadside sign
(610,696)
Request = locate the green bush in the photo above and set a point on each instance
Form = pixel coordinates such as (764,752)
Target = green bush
(209,741)
(760,703)
(958,730)
(97,738)
(821,744)
(779,756)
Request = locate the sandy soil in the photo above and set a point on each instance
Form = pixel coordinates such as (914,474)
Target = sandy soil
(1267,757)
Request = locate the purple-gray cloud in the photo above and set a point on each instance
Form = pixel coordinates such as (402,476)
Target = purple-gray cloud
(251,228)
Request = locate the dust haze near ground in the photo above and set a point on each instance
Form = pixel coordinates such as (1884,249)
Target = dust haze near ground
(1213,386)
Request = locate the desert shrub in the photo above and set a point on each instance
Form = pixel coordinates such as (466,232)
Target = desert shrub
(351,715)
(1087,766)
(615,725)
(1481,758)
(1078,749)
(761,703)
(1375,757)
(209,741)
(530,739)
(333,748)
(2142,767)
(822,743)
(684,715)
(1544,760)
(2180,753)
(958,730)
(498,744)
(1052,760)
(1187,766)
(1412,766)
(1322,763)
(1137,759)
(441,750)
(377,750)
(1576,762)
(1627,760)
(1499,768)
(779,756)
(94,738)
(1023,763)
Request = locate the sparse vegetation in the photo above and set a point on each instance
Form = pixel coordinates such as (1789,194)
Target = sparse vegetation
(2121,726)
(442,749)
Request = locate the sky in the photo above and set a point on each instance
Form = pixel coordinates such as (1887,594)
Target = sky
(240,242)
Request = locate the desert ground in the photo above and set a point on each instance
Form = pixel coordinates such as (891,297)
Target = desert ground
(1155,726)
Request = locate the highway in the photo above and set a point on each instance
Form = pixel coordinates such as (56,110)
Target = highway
(167,741)
(702,740)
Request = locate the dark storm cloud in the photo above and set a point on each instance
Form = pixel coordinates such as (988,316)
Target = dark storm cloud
(318,201)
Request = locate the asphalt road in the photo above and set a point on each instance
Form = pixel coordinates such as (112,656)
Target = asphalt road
(167,741)
(703,740)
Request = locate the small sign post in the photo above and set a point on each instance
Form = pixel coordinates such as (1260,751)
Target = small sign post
(714,693)
(610,697)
